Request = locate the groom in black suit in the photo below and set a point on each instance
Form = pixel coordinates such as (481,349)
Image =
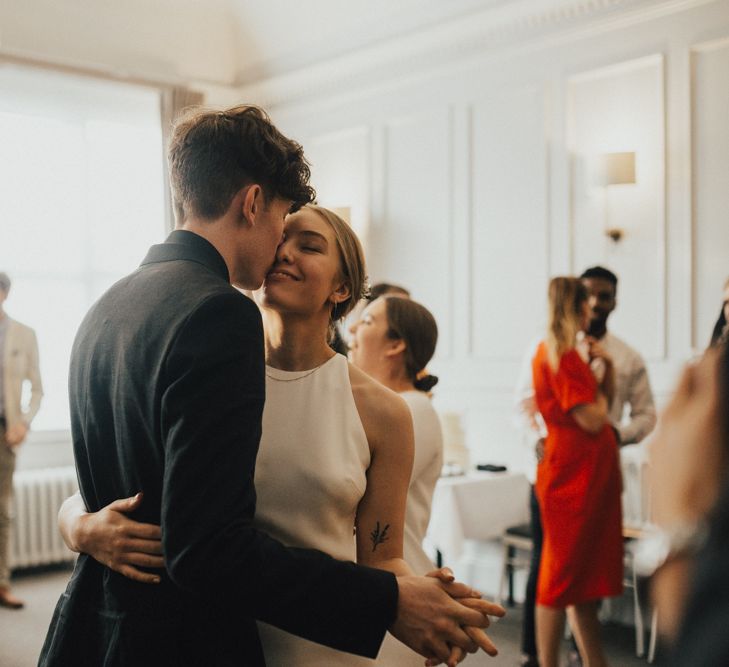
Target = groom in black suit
(167,391)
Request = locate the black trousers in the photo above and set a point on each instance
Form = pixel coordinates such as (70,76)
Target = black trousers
(528,632)
(528,636)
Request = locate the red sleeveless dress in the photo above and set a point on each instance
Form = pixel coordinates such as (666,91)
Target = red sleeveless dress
(578,487)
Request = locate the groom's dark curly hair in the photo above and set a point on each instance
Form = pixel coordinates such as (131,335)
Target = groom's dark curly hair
(213,154)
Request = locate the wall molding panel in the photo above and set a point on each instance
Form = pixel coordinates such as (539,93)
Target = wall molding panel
(415,237)
(710,182)
(510,222)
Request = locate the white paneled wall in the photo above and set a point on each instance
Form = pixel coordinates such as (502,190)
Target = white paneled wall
(418,188)
(621,108)
(710,181)
(509,241)
(479,185)
(341,161)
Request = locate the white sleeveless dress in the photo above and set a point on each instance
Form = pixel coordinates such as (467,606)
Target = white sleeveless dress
(427,467)
(310,477)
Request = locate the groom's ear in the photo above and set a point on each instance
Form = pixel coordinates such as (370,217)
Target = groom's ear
(250,203)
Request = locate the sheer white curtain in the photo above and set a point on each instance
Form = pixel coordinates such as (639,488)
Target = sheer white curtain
(82,197)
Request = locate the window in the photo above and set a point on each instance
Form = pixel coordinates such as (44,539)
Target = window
(81,200)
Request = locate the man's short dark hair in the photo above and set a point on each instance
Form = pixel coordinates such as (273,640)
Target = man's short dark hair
(4,281)
(602,273)
(213,154)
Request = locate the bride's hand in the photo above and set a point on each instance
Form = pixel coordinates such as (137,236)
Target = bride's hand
(477,635)
(120,543)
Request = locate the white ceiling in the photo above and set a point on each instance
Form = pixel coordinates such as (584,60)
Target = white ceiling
(243,42)
(279,36)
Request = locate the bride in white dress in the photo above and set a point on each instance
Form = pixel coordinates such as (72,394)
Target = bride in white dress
(336,452)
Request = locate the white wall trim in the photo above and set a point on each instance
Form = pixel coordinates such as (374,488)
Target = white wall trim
(451,348)
(710,45)
(491,31)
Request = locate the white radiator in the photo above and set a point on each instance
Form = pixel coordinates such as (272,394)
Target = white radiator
(38,495)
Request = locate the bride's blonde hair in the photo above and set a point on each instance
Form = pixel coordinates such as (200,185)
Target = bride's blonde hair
(351,262)
(566,298)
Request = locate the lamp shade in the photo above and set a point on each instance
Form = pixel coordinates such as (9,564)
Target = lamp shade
(619,168)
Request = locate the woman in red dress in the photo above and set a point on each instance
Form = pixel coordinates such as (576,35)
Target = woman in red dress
(578,480)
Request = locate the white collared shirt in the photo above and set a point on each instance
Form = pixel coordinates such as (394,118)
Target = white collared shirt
(632,411)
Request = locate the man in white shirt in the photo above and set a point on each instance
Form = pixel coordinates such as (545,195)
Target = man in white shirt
(631,378)
(18,364)
(632,392)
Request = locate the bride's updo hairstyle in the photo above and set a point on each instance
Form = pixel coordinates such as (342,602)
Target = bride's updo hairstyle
(351,261)
(413,323)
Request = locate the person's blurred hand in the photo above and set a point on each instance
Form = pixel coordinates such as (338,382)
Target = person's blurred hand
(15,435)
(687,459)
(687,467)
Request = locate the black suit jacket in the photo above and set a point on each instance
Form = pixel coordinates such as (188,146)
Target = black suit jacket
(167,390)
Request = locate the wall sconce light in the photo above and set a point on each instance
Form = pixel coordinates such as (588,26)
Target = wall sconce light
(619,170)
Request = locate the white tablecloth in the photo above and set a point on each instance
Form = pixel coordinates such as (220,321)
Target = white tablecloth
(481,505)
(476,506)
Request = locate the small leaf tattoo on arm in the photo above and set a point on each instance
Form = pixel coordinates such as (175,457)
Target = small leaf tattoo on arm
(379,536)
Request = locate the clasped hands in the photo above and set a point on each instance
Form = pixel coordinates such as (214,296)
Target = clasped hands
(454,625)
(438,617)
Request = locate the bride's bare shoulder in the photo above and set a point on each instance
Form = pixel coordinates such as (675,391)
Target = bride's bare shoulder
(377,405)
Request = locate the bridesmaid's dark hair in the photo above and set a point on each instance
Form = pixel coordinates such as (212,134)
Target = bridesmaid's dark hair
(720,333)
(724,390)
(414,324)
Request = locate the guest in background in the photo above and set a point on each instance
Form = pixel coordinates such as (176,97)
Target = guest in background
(18,364)
(534,431)
(387,289)
(344,330)
(632,390)
(632,387)
(720,334)
(578,481)
(393,342)
(688,556)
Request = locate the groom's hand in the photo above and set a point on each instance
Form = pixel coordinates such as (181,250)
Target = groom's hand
(430,618)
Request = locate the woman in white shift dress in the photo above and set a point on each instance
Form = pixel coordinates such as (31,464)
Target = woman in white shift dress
(336,453)
(393,342)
